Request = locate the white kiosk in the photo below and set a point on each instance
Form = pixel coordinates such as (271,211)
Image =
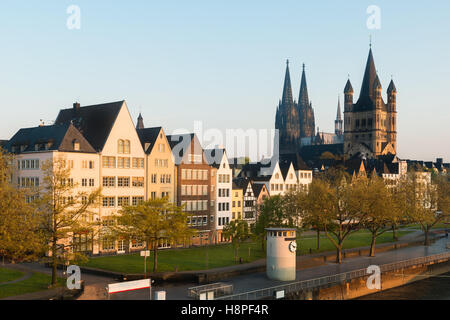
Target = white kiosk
(281,253)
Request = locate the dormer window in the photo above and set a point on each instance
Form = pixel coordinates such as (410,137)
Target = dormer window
(22,148)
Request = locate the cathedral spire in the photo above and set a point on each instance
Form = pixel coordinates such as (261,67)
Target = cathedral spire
(370,75)
(303,99)
(287,90)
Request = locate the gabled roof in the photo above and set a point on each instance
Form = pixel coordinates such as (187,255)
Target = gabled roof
(241,183)
(148,135)
(94,122)
(214,156)
(257,188)
(175,139)
(59,137)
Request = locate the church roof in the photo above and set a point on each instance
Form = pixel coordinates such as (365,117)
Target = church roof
(348,87)
(94,122)
(392,87)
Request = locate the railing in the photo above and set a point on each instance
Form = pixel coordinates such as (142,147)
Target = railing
(334,279)
(219,289)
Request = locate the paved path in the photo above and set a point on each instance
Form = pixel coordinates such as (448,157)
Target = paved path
(256,281)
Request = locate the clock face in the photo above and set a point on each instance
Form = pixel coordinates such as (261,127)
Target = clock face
(293,246)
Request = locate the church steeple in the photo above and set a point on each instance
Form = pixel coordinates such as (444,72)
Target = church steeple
(287,89)
(303,98)
(370,74)
(338,123)
(140,122)
(305,110)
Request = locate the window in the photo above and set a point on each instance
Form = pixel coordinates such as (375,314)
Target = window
(108,244)
(120,146)
(138,163)
(123,182)
(137,201)
(109,162)
(108,202)
(123,163)
(138,182)
(91,183)
(126,147)
(91,164)
(109,181)
(123,201)
(154,178)
(84,182)
(153,195)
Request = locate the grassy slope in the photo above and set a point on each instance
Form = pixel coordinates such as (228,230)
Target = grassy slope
(219,256)
(37,282)
(7,275)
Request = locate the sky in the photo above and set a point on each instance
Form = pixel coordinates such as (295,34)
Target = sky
(223,62)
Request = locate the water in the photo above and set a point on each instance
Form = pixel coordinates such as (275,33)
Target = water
(435,288)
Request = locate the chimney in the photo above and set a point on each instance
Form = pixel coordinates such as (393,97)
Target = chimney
(76,106)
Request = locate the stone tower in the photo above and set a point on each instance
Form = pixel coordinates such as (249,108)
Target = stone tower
(370,123)
(305,110)
(287,119)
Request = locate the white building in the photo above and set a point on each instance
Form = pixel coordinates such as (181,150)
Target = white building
(102,149)
(218,159)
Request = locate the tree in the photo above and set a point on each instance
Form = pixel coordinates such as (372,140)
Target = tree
(237,231)
(271,214)
(428,201)
(314,203)
(339,209)
(153,221)
(378,206)
(64,211)
(20,237)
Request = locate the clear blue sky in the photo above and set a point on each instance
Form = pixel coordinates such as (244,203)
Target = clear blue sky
(223,62)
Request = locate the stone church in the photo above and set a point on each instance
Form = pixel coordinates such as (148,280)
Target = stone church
(368,129)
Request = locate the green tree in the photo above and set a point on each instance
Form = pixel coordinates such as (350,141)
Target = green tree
(153,221)
(64,212)
(339,210)
(379,207)
(272,214)
(314,203)
(20,236)
(428,201)
(237,231)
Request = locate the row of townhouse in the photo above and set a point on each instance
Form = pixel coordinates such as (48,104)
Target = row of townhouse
(103,148)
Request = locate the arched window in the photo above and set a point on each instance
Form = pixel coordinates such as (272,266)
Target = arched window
(120,146)
(126,147)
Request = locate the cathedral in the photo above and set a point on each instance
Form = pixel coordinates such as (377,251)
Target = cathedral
(368,129)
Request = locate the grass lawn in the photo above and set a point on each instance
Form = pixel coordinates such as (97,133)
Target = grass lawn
(37,282)
(220,255)
(7,275)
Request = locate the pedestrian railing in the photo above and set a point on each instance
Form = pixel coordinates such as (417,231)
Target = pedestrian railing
(219,289)
(334,279)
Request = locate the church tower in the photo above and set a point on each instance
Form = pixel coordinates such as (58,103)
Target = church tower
(305,110)
(370,123)
(287,119)
(338,123)
(140,122)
